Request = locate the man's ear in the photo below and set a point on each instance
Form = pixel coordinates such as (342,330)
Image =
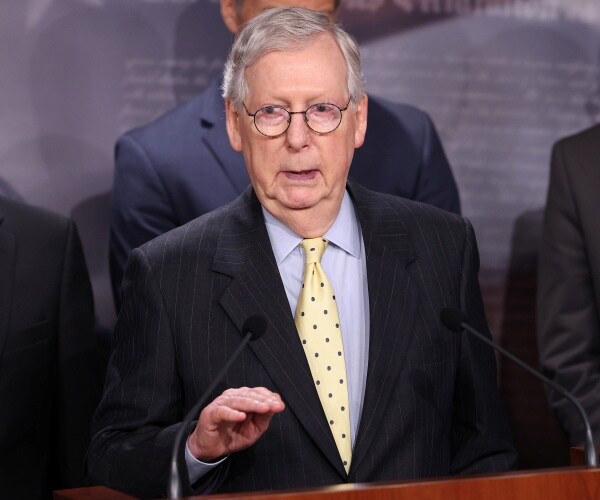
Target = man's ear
(362,110)
(232,124)
(230,15)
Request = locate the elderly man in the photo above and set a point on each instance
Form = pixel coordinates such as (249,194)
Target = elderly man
(355,379)
(181,166)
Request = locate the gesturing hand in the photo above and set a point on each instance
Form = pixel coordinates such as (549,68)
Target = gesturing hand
(233,421)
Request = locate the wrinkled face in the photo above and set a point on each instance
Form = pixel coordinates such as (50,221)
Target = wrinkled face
(299,169)
(235,18)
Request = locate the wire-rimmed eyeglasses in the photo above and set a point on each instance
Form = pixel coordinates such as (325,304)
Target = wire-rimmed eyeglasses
(322,118)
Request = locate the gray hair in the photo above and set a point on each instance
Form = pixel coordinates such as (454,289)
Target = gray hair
(287,30)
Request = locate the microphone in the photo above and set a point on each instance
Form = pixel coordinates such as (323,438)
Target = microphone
(455,320)
(253,328)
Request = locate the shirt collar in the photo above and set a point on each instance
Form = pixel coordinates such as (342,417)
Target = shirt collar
(344,232)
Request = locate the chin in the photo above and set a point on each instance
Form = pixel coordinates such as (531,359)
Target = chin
(300,198)
(298,205)
(300,202)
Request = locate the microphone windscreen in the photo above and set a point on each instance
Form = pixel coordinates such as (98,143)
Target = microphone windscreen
(256,325)
(452,318)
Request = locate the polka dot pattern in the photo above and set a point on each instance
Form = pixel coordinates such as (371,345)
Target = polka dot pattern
(318,325)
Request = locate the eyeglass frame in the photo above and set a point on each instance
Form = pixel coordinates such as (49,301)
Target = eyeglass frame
(290,113)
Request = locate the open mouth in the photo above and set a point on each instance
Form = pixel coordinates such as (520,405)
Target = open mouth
(303,175)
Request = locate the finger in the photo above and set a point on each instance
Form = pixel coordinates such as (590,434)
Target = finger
(265,393)
(258,393)
(233,410)
(262,421)
(249,402)
(217,414)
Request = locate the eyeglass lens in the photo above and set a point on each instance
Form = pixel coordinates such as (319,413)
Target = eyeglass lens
(322,118)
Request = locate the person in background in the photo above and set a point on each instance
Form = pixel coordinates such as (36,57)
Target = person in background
(49,366)
(568,293)
(355,378)
(181,166)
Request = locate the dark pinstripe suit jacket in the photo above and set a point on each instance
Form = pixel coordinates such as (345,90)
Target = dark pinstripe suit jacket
(431,406)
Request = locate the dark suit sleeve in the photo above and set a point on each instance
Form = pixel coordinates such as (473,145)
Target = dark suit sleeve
(481,440)
(140,206)
(134,425)
(78,387)
(435,184)
(567,318)
(403,155)
(142,408)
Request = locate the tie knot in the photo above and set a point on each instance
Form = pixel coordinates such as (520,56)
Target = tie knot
(313,249)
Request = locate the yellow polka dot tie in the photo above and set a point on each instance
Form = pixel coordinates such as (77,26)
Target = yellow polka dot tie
(318,325)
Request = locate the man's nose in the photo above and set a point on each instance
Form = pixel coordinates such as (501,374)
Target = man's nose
(297,134)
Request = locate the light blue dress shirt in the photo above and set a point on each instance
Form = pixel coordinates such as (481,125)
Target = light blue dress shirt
(345,264)
(346,267)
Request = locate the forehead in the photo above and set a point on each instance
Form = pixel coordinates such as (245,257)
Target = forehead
(319,68)
(251,8)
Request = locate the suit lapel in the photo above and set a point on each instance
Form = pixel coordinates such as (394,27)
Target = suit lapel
(393,297)
(245,254)
(7,265)
(215,137)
